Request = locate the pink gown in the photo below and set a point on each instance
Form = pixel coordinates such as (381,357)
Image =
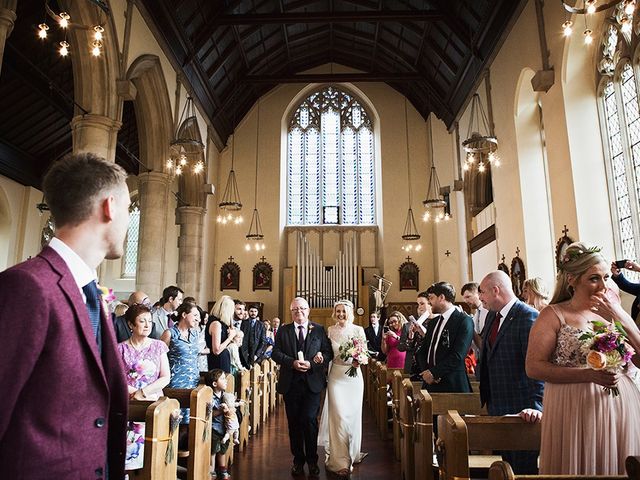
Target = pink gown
(395,358)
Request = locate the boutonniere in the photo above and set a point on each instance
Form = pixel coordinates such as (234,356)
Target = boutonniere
(107,294)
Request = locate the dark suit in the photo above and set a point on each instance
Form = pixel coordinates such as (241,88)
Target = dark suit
(504,385)
(63,408)
(451,351)
(253,343)
(301,391)
(374,342)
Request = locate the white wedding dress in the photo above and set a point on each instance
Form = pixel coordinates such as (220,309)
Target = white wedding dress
(341,421)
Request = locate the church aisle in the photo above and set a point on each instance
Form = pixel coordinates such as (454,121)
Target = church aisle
(267,457)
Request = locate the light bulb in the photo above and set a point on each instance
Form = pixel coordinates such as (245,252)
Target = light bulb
(425,217)
(447,217)
(64,49)
(97,32)
(471,158)
(437,219)
(491,157)
(567,29)
(219,219)
(465,167)
(229,216)
(178,170)
(42,30)
(198,167)
(588,36)
(224,221)
(169,164)
(625,25)
(64,19)
(97,48)
(591,6)
(481,167)
(418,247)
(183,159)
(629,7)
(237,221)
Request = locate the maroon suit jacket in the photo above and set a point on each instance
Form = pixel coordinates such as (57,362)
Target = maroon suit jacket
(63,406)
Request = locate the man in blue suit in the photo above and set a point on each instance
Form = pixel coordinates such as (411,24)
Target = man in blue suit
(504,385)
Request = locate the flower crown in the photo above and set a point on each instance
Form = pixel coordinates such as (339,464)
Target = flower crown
(572,255)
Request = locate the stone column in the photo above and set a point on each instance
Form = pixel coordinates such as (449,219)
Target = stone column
(7,20)
(153,194)
(95,133)
(190,255)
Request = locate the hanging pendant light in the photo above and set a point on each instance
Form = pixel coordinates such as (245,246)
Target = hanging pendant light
(410,233)
(481,145)
(434,200)
(231,203)
(255,236)
(185,145)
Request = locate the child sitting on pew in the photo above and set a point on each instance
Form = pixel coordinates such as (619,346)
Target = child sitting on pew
(217,380)
(231,422)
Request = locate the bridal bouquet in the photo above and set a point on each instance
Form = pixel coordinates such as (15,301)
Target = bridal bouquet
(354,349)
(606,349)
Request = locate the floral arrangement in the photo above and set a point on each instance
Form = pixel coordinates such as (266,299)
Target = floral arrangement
(107,294)
(355,349)
(606,348)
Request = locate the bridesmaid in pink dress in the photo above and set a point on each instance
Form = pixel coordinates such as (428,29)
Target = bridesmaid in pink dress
(391,339)
(585,431)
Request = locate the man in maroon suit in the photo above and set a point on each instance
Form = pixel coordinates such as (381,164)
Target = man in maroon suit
(63,406)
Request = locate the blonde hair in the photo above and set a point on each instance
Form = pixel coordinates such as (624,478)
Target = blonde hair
(348,308)
(537,290)
(223,309)
(401,318)
(577,259)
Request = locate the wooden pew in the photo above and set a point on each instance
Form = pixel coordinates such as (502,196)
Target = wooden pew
(159,464)
(381,401)
(266,390)
(244,393)
(231,388)
(273,382)
(457,436)
(406,421)
(365,380)
(198,400)
(255,415)
(396,389)
(373,386)
(502,471)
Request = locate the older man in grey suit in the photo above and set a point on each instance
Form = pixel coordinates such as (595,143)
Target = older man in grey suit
(504,385)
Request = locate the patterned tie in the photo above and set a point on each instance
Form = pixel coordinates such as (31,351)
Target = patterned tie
(493,333)
(431,358)
(93,306)
(300,338)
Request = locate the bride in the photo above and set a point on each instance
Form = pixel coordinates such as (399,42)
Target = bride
(341,421)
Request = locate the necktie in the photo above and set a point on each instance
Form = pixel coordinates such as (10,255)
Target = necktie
(431,357)
(493,333)
(300,338)
(93,306)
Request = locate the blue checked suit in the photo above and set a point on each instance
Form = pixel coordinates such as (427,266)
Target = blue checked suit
(504,385)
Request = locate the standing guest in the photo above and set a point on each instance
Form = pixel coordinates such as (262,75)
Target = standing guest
(504,385)
(303,352)
(253,343)
(203,361)
(626,286)
(413,332)
(146,368)
(535,293)
(239,313)
(441,357)
(275,325)
(374,337)
(172,297)
(391,340)
(64,397)
(220,333)
(585,431)
(269,340)
(471,297)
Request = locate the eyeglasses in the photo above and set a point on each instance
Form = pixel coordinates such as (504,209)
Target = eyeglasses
(299,309)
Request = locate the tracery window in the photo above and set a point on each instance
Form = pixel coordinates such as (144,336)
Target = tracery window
(330,161)
(620,122)
(130,257)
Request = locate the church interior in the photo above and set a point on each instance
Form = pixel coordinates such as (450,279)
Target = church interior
(329,149)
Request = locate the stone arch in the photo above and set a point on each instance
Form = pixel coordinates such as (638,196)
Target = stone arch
(153,111)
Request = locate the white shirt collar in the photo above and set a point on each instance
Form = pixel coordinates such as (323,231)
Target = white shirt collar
(505,310)
(81,272)
(447,314)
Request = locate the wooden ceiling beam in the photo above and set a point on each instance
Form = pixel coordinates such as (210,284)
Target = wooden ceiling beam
(334,77)
(328,17)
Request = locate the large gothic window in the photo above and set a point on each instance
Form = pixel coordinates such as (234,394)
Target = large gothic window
(130,257)
(330,161)
(620,119)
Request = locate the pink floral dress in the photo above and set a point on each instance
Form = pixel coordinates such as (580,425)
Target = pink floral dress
(141,368)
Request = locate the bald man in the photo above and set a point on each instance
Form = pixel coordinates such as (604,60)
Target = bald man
(504,385)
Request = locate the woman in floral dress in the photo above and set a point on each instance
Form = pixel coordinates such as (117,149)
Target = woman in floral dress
(146,367)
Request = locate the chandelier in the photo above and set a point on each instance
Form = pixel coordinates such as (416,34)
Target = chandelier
(255,235)
(410,233)
(481,146)
(185,146)
(434,201)
(63,19)
(587,8)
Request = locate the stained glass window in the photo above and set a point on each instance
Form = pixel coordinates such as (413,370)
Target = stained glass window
(621,130)
(330,161)
(130,258)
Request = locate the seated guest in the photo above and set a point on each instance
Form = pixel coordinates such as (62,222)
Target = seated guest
(535,293)
(391,340)
(123,332)
(219,333)
(146,368)
(374,337)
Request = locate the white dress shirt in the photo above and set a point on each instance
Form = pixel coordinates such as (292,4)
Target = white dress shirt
(82,273)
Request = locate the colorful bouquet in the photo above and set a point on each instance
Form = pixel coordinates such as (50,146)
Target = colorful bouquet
(354,349)
(606,348)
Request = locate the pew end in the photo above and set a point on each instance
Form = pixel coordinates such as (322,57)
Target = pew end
(502,471)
